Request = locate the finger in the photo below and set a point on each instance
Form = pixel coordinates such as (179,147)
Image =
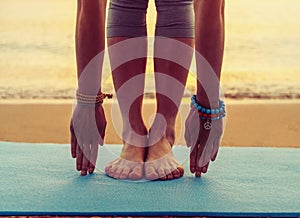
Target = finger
(215,156)
(200,154)
(187,135)
(205,168)
(216,149)
(73,144)
(101,124)
(78,158)
(102,135)
(93,158)
(207,143)
(198,173)
(204,159)
(193,159)
(85,159)
(192,129)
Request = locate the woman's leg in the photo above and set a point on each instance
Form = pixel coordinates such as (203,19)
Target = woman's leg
(173,54)
(126,21)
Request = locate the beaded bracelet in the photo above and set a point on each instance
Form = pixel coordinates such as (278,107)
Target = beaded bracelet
(209,114)
(85,99)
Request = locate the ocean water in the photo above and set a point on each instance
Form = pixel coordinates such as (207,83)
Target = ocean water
(37,56)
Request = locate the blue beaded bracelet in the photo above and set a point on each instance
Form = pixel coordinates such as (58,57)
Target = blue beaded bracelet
(221,109)
(208,113)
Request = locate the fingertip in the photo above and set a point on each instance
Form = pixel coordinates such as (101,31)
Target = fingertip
(193,156)
(73,146)
(205,168)
(198,174)
(214,157)
(83,173)
(91,170)
(192,169)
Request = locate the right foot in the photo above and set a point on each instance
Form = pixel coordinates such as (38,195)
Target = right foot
(130,164)
(161,163)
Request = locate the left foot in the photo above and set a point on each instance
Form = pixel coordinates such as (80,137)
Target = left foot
(161,163)
(130,164)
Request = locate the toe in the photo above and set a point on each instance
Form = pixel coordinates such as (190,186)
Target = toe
(169,174)
(112,171)
(107,169)
(162,174)
(151,174)
(136,173)
(118,173)
(181,170)
(176,173)
(125,173)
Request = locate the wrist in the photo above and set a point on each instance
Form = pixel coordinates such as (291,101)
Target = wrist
(208,113)
(208,98)
(89,91)
(85,99)
(207,102)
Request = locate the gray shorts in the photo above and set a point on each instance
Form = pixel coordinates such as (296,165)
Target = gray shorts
(127,18)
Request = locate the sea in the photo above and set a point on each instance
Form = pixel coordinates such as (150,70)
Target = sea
(37,54)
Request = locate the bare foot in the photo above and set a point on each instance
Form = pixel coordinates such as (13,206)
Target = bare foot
(130,164)
(161,163)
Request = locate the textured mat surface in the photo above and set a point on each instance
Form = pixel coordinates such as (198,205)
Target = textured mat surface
(39,179)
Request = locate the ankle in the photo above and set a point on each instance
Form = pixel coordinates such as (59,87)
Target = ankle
(170,135)
(135,135)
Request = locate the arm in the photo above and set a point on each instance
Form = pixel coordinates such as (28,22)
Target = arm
(88,123)
(209,42)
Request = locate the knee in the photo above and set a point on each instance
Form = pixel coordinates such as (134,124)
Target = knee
(175,18)
(209,11)
(92,7)
(127,18)
(210,7)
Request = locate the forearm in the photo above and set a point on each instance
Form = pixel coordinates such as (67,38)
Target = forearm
(90,44)
(209,43)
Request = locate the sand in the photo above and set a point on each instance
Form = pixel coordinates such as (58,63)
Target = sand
(264,123)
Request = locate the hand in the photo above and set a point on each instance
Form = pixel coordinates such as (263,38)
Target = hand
(87,129)
(204,143)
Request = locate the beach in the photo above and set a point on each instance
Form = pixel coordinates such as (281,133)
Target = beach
(255,123)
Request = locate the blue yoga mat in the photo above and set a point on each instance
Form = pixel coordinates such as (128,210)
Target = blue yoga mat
(39,179)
